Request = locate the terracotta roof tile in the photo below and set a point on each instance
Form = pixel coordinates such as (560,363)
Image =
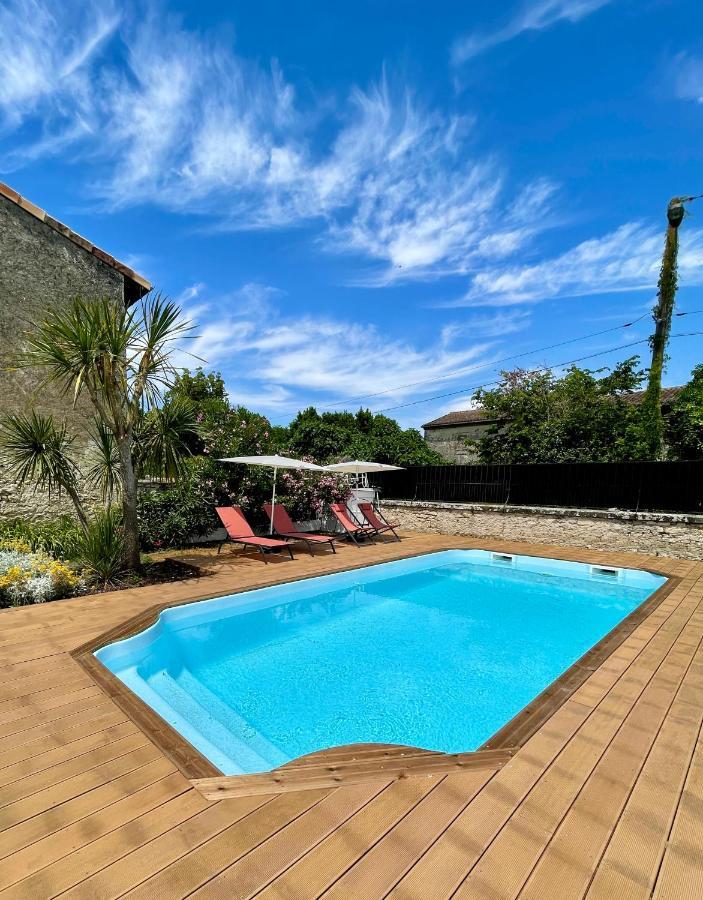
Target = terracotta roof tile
(139,285)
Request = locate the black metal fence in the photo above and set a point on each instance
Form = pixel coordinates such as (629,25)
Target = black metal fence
(650,486)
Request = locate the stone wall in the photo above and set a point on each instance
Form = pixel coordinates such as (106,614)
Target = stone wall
(450,441)
(659,534)
(40,269)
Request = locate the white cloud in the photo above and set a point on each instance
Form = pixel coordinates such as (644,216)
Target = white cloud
(279,363)
(177,119)
(627,259)
(688,75)
(47,50)
(535,16)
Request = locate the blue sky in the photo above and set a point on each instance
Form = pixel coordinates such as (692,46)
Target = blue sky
(379,199)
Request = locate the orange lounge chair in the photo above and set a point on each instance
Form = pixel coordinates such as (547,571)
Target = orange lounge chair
(377,521)
(239,532)
(352,529)
(284,526)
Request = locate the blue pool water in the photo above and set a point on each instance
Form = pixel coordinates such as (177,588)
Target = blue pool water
(438,651)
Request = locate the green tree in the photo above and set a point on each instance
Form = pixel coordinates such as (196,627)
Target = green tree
(684,433)
(577,417)
(122,360)
(331,436)
(223,430)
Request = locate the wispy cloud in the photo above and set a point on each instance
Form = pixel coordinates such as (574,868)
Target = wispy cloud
(688,78)
(627,259)
(47,52)
(279,364)
(535,16)
(180,120)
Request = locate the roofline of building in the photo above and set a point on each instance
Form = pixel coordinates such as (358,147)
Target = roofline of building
(135,285)
(489,420)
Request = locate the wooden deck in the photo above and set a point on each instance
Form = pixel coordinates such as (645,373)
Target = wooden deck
(604,799)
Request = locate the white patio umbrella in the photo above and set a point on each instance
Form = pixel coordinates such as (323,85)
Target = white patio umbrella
(275,462)
(360,467)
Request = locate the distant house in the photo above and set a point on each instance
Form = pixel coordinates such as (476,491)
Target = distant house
(448,434)
(43,265)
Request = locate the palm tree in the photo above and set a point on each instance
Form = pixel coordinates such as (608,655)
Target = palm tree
(39,453)
(122,359)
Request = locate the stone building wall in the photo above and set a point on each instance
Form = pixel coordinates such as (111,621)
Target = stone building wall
(659,534)
(40,270)
(450,441)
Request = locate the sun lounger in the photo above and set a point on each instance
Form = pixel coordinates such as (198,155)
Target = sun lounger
(377,521)
(352,529)
(239,532)
(284,526)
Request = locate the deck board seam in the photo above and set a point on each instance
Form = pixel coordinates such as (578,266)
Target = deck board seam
(576,733)
(641,766)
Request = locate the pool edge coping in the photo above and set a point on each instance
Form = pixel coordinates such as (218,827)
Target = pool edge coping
(332,767)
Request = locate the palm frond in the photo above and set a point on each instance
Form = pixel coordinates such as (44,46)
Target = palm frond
(161,439)
(104,473)
(38,451)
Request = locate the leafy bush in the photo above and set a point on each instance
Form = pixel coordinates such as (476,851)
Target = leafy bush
(306,494)
(28,576)
(169,518)
(685,425)
(58,538)
(173,517)
(100,549)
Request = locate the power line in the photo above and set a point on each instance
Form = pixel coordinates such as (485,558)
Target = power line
(467,369)
(496,362)
(554,366)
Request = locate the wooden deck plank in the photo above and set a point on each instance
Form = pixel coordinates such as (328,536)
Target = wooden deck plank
(197,867)
(40,801)
(577,847)
(76,765)
(633,856)
(134,853)
(256,869)
(79,873)
(681,874)
(642,697)
(30,766)
(25,867)
(85,811)
(382,866)
(322,866)
(34,753)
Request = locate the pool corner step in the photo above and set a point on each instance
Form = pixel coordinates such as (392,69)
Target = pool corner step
(354,764)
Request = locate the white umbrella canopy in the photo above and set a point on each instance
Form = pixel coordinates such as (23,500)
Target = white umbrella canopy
(361,467)
(274,462)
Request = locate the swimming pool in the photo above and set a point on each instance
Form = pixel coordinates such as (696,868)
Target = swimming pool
(437,651)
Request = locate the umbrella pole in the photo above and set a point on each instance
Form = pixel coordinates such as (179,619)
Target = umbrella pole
(273,500)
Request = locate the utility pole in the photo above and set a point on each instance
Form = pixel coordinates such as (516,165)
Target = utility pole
(666,296)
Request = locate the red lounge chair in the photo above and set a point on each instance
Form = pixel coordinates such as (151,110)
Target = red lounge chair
(284,526)
(352,529)
(239,532)
(376,521)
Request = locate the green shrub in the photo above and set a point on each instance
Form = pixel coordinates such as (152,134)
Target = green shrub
(59,538)
(100,550)
(169,518)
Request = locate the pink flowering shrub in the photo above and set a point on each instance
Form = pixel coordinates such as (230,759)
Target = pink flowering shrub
(306,494)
